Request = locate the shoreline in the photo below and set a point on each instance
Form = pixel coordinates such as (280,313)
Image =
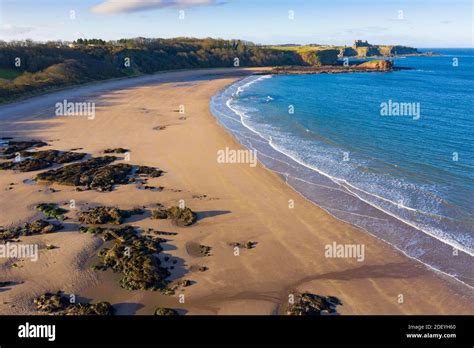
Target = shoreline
(234,203)
(289,172)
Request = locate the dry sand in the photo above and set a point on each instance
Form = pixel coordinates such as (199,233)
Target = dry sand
(241,203)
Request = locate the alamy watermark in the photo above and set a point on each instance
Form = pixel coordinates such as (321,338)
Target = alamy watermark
(19,251)
(334,250)
(237,156)
(28,330)
(67,108)
(393,108)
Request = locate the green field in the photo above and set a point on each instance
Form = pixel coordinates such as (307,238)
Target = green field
(9,74)
(301,49)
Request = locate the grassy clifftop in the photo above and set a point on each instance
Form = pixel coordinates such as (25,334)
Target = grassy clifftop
(313,55)
(350,51)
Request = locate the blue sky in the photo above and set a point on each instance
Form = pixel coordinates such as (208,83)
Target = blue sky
(421,23)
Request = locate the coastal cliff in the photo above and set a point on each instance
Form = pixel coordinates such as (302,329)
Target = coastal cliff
(320,55)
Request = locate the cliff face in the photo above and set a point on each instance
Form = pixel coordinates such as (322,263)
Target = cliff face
(320,57)
(348,52)
(369,50)
(379,65)
(399,50)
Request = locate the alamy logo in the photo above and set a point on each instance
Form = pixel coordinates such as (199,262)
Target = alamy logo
(237,156)
(67,108)
(21,251)
(392,108)
(37,331)
(335,250)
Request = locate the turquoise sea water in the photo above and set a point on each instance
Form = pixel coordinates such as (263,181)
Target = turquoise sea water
(407,179)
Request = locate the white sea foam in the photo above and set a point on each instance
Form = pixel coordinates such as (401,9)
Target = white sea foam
(349,187)
(435,233)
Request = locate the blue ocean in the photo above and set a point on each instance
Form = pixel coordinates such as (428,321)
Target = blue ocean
(392,153)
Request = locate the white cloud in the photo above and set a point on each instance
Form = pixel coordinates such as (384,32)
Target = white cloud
(12,30)
(126,6)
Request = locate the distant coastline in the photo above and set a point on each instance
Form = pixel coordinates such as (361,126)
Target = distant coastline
(31,68)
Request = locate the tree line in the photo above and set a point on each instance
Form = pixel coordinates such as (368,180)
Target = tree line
(56,64)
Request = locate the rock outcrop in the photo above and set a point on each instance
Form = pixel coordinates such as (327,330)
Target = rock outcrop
(59,304)
(379,65)
(311,304)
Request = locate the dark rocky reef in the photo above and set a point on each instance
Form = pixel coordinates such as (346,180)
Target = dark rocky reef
(107,233)
(165,311)
(106,215)
(31,161)
(247,245)
(55,156)
(59,304)
(148,171)
(310,304)
(134,256)
(27,165)
(180,216)
(79,174)
(12,147)
(116,150)
(205,250)
(96,173)
(28,229)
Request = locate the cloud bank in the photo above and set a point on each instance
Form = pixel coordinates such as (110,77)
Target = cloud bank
(128,6)
(12,30)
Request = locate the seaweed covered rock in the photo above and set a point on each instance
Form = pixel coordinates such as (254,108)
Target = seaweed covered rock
(55,156)
(12,146)
(30,161)
(27,165)
(59,304)
(180,216)
(51,303)
(165,311)
(205,250)
(106,215)
(116,150)
(51,210)
(108,234)
(135,257)
(99,308)
(148,171)
(36,227)
(247,245)
(104,178)
(96,173)
(159,214)
(311,304)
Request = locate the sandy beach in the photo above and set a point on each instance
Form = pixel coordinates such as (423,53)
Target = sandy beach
(233,202)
